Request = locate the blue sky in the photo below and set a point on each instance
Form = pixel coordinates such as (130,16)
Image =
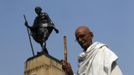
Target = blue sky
(110,20)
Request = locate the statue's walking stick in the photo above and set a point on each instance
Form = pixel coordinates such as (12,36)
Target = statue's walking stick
(29,37)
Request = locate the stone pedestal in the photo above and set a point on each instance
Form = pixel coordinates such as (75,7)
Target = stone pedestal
(43,64)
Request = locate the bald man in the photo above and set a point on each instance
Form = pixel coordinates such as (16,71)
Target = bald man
(96,58)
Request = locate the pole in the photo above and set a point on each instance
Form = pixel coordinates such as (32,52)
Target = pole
(65,48)
(29,38)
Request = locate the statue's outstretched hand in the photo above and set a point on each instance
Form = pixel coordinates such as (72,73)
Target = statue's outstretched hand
(26,24)
(56,30)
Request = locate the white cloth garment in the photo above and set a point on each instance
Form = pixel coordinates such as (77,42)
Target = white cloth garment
(98,60)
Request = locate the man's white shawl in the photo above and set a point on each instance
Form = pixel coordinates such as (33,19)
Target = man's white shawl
(97,60)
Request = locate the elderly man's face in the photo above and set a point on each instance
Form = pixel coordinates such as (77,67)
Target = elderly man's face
(84,37)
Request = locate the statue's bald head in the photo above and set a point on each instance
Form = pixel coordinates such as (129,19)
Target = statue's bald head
(38,10)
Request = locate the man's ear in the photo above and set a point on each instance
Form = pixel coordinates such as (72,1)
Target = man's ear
(92,35)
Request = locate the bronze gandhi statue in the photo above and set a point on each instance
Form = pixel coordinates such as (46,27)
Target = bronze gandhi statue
(42,28)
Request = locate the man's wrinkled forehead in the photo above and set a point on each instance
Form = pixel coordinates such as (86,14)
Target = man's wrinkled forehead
(82,29)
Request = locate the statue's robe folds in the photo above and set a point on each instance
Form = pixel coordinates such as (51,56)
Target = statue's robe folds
(42,28)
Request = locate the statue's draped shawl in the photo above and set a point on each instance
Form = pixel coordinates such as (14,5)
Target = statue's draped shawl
(42,28)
